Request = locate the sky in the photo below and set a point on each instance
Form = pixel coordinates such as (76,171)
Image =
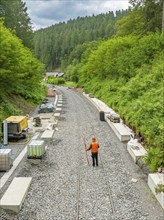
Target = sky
(44,13)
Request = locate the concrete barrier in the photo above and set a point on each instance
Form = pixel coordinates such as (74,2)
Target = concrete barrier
(136,150)
(16,162)
(57,114)
(102,106)
(58,109)
(153,180)
(15,194)
(90,99)
(119,129)
(35,136)
(59,97)
(47,134)
(122,133)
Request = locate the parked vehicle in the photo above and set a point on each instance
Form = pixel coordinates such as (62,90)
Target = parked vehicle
(45,108)
(45,101)
(17,127)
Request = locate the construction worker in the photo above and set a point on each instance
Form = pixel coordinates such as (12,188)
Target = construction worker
(94,149)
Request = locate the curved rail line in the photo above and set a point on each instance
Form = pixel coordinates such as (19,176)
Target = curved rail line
(111,152)
(79,132)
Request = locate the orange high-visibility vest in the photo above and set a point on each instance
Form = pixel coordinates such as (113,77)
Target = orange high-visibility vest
(94,147)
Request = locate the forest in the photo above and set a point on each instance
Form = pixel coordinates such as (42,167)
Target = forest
(53,45)
(21,72)
(117,57)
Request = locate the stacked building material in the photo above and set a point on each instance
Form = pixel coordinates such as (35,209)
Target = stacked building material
(37,121)
(51,93)
(36,149)
(114,117)
(5,159)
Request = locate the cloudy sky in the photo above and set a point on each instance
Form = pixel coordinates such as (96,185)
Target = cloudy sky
(44,13)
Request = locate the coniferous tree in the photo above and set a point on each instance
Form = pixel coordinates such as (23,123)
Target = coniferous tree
(151,13)
(16,18)
(55,44)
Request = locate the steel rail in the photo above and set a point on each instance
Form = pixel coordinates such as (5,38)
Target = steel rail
(111,204)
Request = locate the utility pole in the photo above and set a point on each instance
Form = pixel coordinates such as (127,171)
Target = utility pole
(163,19)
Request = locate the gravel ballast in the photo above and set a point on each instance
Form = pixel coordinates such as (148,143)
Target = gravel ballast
(65,187)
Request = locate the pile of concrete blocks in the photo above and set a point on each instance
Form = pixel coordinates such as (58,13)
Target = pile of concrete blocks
(36,149)
(114,117)
(5,159)
(47,122)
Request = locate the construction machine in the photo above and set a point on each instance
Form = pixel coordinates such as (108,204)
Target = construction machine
(17,127)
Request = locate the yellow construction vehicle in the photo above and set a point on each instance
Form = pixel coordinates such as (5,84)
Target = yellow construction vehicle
(17,127)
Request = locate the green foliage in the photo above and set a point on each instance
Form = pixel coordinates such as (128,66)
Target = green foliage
(78,56)
(20,74)
(133,23)
(159,188)
(145,17)
(70,83)
(10,109)
(72,73)
(20,71)
(16,18)
(126,73)
(55,81)
(155,158)
(118,58)
(54,45)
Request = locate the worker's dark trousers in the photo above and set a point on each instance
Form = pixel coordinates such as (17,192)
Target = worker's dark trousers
(95,158)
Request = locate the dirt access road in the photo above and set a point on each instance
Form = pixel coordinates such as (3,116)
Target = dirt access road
(64,187)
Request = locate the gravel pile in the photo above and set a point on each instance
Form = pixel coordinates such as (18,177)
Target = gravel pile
(65,187)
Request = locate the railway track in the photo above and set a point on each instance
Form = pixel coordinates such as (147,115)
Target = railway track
(67,188)
(105,179)
(111,206)
(78,167)
(122,192)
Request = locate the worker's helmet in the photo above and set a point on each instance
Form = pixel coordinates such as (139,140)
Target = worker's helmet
(93,138)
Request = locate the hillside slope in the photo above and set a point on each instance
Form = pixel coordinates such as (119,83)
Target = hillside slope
(127,74)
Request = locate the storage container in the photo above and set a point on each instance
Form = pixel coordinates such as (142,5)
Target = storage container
(102,116)
(36,149)
(5,159)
